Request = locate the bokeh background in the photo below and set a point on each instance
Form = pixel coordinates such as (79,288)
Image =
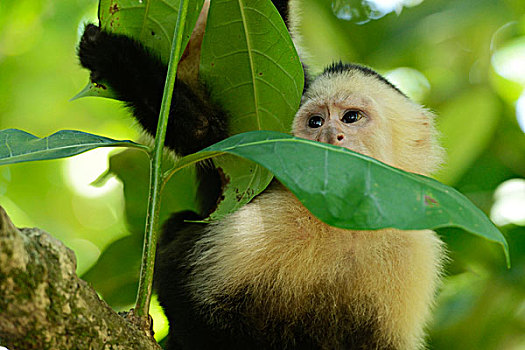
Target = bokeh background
(463,59)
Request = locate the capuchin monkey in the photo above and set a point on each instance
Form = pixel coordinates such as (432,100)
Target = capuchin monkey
(271,275)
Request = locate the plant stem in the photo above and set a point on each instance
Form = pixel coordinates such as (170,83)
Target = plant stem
(156,180)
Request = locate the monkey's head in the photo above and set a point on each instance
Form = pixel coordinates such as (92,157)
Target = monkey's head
(354,107)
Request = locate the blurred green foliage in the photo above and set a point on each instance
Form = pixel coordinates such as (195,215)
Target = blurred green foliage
(463,59)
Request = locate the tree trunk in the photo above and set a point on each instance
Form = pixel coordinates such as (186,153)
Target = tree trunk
(44,305)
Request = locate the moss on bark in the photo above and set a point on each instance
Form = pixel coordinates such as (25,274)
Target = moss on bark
(44,305)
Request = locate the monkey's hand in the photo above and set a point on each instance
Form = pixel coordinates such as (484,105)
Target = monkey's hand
(137,77)
(122,63)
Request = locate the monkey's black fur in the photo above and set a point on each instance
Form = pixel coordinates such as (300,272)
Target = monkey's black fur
(137,77)
(340,67)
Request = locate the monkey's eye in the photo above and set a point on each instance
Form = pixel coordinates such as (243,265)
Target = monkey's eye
(315,121)
(351,116)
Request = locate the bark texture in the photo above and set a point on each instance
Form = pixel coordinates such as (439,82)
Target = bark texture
(44,305)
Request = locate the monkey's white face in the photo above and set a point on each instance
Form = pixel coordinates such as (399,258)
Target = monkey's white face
(366,115)
(352,121)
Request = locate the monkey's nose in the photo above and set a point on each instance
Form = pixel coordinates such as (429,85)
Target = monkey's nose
(332,138)
(336,139)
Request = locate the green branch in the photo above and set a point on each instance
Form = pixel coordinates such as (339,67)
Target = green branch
(156,179)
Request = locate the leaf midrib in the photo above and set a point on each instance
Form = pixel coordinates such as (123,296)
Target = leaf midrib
(250,59)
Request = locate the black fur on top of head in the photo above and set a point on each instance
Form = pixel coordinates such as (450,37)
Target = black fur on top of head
(340,67)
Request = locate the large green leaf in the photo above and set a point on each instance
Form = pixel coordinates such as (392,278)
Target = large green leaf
(250,65)
(353,191)
(152,22)
(257,75)
(19,146)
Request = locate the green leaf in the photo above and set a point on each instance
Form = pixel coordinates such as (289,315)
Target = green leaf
(244,180)
(115,275)
(19,146)
(152,22)
(95,90)
(257,77)
(352,191)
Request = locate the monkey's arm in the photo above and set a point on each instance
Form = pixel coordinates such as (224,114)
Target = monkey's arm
(137,77)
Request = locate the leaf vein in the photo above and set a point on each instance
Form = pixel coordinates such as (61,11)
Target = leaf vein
(251,62)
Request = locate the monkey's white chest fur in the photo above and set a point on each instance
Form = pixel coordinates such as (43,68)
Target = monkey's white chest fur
(294,269)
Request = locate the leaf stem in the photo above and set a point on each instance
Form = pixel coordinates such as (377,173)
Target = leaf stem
(184,163)
(156,178)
